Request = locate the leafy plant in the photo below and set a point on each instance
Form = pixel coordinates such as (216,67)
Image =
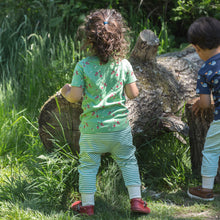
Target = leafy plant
(185,12)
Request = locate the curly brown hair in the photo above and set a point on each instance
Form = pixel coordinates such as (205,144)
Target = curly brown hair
(105,30)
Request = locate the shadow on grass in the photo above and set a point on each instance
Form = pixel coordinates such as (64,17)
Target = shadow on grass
(184,207)
(181,198)
(119,210)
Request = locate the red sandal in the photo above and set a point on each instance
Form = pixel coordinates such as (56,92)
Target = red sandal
(140,206)
(77,206)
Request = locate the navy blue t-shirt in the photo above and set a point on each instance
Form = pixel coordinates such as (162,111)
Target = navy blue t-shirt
(209,81)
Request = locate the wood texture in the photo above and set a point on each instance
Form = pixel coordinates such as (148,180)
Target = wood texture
(59,123)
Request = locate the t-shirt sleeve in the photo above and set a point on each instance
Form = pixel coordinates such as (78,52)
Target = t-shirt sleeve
(130,77)
(202,85)
(78,78)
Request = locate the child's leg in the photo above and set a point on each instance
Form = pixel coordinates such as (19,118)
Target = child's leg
(211,155)
(87,199)
(208,182)
(209,167)
(134,192)
(124,154)
(88,168)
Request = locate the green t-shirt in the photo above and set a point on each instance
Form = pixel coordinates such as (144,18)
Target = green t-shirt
(104,100)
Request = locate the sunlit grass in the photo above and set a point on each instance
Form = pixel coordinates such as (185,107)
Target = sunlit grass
(111,203)
(16,211)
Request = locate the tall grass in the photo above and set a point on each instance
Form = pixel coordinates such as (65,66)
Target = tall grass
(33,67)
(164,162)
(34,64)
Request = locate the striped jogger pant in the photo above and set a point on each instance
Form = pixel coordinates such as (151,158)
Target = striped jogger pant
(120,145)
(211,151)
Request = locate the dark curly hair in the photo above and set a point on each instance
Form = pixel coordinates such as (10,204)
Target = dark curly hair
(105,30)
(205,32)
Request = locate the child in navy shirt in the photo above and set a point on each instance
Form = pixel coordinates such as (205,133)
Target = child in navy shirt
(204,35)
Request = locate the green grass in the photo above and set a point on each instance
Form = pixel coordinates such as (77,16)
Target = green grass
(45,185)
(22,200)
(164,162)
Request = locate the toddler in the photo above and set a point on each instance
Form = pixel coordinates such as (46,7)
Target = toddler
(204,34)
(102,80)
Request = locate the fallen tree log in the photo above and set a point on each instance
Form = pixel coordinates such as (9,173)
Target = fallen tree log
(165,82)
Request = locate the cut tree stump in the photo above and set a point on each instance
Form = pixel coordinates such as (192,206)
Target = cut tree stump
(198,128)
(59,123)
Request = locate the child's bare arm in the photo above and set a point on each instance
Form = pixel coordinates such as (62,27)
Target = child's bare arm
(131,90)
(202,103)
(72,93)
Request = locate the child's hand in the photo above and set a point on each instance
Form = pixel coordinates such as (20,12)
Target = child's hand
(72,93)
(65,90)
(202,103)
(196,107)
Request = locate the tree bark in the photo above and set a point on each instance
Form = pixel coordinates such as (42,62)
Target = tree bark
(145,49)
